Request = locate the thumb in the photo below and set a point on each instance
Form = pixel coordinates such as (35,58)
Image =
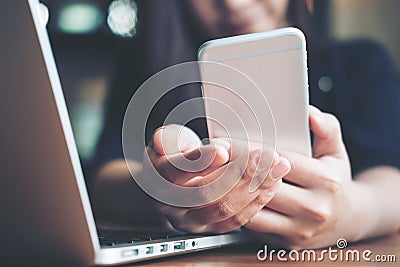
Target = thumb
(174,138)
(327,134)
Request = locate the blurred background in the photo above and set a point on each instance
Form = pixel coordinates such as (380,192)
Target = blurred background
(87,35)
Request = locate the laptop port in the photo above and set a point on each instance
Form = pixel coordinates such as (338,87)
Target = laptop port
(130,253)
(179,245)
(164,248)
(149,250)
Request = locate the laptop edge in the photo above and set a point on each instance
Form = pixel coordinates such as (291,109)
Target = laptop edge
(54,186)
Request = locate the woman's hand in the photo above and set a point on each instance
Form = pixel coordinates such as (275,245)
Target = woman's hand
(233,210)
(314,206)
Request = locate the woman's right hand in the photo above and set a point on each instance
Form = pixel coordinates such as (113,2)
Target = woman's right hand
(235,208)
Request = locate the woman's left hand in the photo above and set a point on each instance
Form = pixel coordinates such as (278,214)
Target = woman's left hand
(314,207)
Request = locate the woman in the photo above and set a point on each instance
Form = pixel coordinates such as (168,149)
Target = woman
(348,189)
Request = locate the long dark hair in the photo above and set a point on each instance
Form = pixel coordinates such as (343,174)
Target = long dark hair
(169,35)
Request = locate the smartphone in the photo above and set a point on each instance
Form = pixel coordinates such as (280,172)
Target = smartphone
(276,61)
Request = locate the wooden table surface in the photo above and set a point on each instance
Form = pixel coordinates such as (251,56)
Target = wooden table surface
(246,255)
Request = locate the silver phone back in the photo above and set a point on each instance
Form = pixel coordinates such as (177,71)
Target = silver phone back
(277,63)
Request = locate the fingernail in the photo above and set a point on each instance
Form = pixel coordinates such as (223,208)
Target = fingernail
(280,169)
(317,113)
(223,153)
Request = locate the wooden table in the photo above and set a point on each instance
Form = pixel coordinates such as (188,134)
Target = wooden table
(246,255)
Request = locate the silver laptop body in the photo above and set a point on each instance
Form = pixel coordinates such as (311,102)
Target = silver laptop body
(46,212)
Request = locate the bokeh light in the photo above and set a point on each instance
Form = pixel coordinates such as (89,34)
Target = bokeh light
(79,18)
(122,17)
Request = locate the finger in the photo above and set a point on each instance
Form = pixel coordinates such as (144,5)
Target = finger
(238,198)
(175,217)
(180,168)
(305,171)
(199,162)
(260,158)
(300,204)
(197,219)
(263,163)
(314,173)
(290,200)
(243,217)
(237,147)
(172,139)
(234,170)
(268,221)
(173,213)
(327,134)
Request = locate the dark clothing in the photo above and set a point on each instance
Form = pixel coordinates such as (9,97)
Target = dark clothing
(365,98)
(359,84)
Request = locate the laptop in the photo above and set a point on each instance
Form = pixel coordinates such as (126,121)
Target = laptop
(47,216)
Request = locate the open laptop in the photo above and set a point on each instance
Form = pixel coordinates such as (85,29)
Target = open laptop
(46,212)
